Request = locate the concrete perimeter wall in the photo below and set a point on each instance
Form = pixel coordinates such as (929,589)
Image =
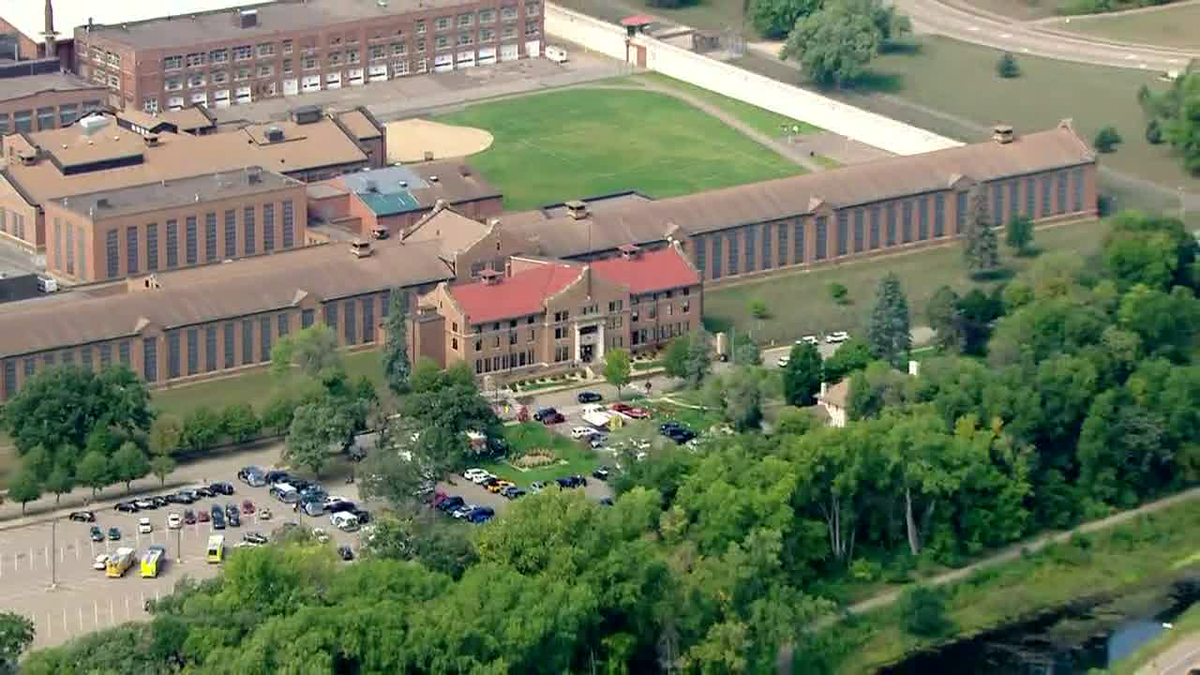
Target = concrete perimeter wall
(867,127)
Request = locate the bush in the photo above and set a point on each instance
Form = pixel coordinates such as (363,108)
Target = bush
(924,611)
(839,293)
(201,429)
(1153,132)
(1007,66)
(1107,139)
(759,310)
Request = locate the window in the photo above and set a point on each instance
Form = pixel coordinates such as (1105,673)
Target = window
(193,351)
(1013,201)
(266,70)
(906,230)
(532,28)
(190,240)
(508,13)
(335,58)
(400,68)
(716,258)
(210,349)
(45,118)
(220,77)
(281,323)
(421,27)
(873,228)
(487,35)
(939,215)
(85,357)
(10,378)
(287,67)
(113,58)
(173,84)
(264,339)
(173,355)
(269,227)
(58,244)
(1047,181)
(960,212)
(247,341)
(23,120)
(997,191)
(228,330)
(331,315)
(150,359)
(767,262)
(368,320)
(700,255)
(69,112)
(131,249)
(172,244)
(798,242)
(378,52)
(465,20)
(241,74)
(218,55)
(196,80)
(288,224)
(1030,197)
(266,49)
(1078,191)
(4,127)
(859,230)
(172,63)
(1061,181)
(782,249)
(441,42)
(242,53)
(465,39)
(70,247)
(195,60)
(822,238)
(751,251)
(210,237)
(105,356)
(307,317)
(399,49)
(533,8)
(441,23)
(248,232)
(922,217)
(733,253)
(110,244)
(309,62)
(114,81)
(843,232)
(487,16)
(349,326)
(508,33)
(123,352)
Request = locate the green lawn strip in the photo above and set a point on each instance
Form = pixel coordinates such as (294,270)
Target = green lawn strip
(604,141)
(1146,549)
(1169,27)
(574,457)
(827,162)
(535,386)
(762,120)
(647,365)
(920,272)
(710,14)
(255,387)
(1186,626)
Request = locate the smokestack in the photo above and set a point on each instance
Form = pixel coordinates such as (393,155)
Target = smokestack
(48,34)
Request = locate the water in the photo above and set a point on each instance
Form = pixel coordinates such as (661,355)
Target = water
(1070,641)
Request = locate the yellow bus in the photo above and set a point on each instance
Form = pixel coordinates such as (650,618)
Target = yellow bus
(152,561)
(119,562)
(216,548)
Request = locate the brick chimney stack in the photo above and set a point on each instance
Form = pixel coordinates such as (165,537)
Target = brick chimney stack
(48,34)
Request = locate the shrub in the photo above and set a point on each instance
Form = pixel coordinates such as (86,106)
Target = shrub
(759,310)
(839,293)
(924,611)
(1153,132)
(1107,139)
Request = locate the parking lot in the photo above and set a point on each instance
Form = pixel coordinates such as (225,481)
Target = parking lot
(85,599)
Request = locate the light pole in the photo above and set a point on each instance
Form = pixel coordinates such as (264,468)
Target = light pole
(53,556)
(178,546)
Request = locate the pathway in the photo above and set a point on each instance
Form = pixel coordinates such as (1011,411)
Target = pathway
(1180,659)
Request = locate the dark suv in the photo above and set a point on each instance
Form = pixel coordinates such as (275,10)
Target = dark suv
(222,488)
(589,397)
(543,413)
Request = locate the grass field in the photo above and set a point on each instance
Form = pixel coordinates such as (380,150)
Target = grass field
(712,14)
(570,144)
(522,438)
(1169,27)
(924,85)
(763,121)
(921,272)
(1144,550)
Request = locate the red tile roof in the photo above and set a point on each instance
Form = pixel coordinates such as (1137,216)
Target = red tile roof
(649,271)
(521,294)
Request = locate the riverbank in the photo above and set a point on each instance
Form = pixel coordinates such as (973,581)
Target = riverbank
(1149,547)
(1165,649)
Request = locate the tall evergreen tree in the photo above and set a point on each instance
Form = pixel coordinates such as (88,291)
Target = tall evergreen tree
(888,333)
(981,250)
(396,366)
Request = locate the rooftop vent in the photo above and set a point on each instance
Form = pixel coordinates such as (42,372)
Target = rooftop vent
(151,140)
(490,277)
(103,203)
(1002,134)
(577,209)
(360,248)
(274,134)
(306,114)
(93,123)
(246,18)
(254,175)
(27,157)
(629,251)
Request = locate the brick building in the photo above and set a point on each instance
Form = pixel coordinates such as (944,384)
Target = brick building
(35,96)
(172,224)
(101,154)
(292,47)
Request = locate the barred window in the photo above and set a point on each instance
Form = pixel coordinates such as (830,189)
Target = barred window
(822,239)
(150,359)
(248,229)
(782,228)
(939,215)
(1047,189)
(368,319)
(110,246)
(264,339)
(873,232)
(923,218)
(733,253)
(230,234)
(890,230)
(1030,198)
(331,315)
(288,225)
(843,232)
(798,242)
(58,243)
(1078,184)
(131,249)
(906,225)
(152,247)
(716,256)
(247,342)
(172,244)
(210,237)
(281,324)
(349,326)
(268,228)
(210,348)
(997,204)
(307,317)
(751,251)
(1061,177)
(172,355)
(960,212)
(193,351)
(190,244)
(105,356)
(70,249)
(699,255)
(10,378)
(1014,202)
(858,230)
(230,362)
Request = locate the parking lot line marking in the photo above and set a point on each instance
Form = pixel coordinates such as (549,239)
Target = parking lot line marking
(127,607)
(65,629)
(95,614)
(80,618)
(49,627)
(142,595)
(111,615)
(30,557)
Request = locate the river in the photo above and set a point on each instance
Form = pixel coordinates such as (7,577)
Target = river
(1068,641)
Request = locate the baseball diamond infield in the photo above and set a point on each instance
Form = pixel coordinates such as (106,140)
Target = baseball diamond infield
(409,140)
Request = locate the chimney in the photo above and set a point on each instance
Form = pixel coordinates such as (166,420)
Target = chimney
(577,209)
(914,368)
(490,277)
(360,248)
(1002,134)
(246,18)
(49,34)
(151,140)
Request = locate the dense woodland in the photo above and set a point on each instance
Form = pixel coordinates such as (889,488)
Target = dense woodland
(1065,394)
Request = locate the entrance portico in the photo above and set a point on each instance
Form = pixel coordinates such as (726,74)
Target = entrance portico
(589,341)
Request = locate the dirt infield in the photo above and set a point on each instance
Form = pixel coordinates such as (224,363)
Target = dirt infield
(409,140)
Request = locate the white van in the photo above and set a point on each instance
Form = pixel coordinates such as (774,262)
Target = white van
(556,53)
(344,521)
(47,284)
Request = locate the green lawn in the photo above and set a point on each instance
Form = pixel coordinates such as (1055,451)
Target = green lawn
(582,142)
(951,88)
(712,14)
(1170,27)
(762,120)
(255,387)
(922,272)
(1148,549)
(576,457)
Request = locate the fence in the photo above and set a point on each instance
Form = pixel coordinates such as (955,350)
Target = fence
(729,80)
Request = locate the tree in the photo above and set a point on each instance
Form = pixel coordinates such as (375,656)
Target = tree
(834,44)
(201,429)
(699,358)
(1107,139)
(165,435)
(64,405)
(617,369)
(738,395)
(93,471)
(239,422)
(162,466)
(924,612)
(277,415)
(854,354)
(945,318)
(318,428)
(839,293)
(759,310)
(980,250)
(396,366)
(776,18)
(1155,251)
(888,333)
(313,350)
(675,358)
(747,353)
(1019,234)
(1177,112)
(24,487)
(1007,66)
(444,405)
(59,482)
(802,376)
(129,463)
(16,634)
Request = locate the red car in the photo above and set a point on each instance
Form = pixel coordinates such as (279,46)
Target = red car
(556,418)
(247,507)
(203,516)
(630,411)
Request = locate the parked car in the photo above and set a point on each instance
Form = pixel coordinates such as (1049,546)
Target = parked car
(606,501)
(205,492)
(264,514)
(837,336)
(114,533)
(144,526)
(184,497)
(556,418)
(632,412)
(313,508)
(101,562)
(450,503)
(601,473)
(159,502)
(256,538)
(363,515)
(126,507)
(569,482)
(218,517)
(589,397)
(512,492)
(189,517)
(481,478)
(233,518)
(344,505)
(583,432)
(174,521)
(97,534)
(462,511)
(203,516)
(82,517)
(144,503)
(598,440)
(346,553)
(247,506)
(273,477)
(808,340)
(537,486)
(230,509)
(499,486)
(222,487)
(783,361)
(320,535)
(480,514)
(541,413)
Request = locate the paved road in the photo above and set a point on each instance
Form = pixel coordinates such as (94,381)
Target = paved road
(1180,659)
